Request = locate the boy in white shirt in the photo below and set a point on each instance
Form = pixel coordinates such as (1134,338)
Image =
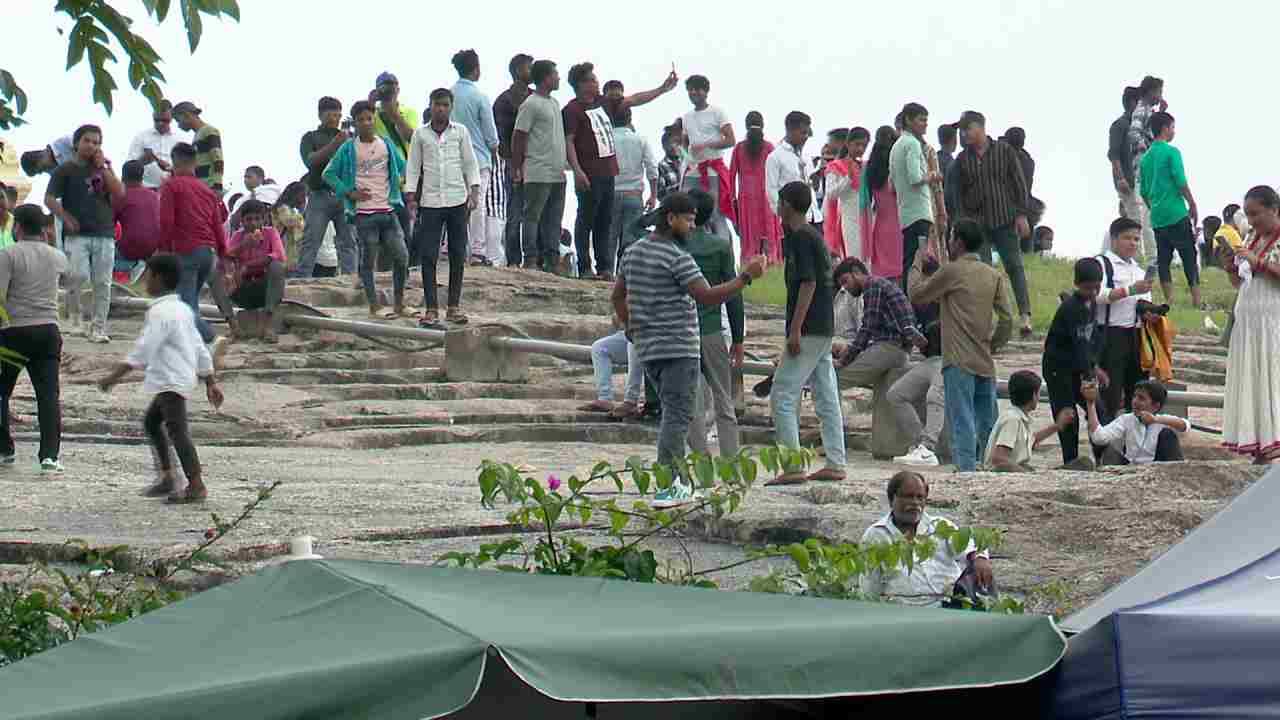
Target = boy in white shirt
(173,356)
(1142,436)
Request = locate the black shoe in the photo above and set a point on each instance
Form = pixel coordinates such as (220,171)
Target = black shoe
(161,489)
(763,388)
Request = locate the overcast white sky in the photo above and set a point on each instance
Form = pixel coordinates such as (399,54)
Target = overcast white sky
(1055,68)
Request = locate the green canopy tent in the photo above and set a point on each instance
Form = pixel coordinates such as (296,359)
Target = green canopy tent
(350,639)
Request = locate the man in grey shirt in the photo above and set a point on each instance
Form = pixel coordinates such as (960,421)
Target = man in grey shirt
(29,271)
(538,164)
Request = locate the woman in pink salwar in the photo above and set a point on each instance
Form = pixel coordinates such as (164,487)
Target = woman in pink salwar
(757,225)
(844,180)
(881,233)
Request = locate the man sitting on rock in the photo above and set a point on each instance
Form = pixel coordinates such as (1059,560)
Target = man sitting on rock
(608,351)
(930,582)
(1142,436)
(887,332)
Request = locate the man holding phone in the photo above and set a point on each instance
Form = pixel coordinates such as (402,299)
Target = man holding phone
(1125,282)
(394,123)
(323,205)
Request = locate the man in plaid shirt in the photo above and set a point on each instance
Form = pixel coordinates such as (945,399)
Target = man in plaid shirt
(669,170)
(888,330)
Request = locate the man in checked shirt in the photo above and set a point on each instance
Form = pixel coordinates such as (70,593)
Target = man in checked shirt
(888,330)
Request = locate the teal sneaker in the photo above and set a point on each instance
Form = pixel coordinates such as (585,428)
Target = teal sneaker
(675,496)
(50,465)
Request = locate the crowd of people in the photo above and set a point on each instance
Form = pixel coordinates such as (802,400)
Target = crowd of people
(882,256)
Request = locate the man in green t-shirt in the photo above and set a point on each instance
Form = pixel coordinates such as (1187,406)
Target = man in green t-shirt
(395,123)
(1163,183)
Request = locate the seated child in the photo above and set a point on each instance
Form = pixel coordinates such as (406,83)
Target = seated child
(1009,448)
(1142,436)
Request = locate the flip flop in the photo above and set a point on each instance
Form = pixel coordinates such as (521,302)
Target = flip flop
(828,475)
(187,497)
(595,407)
(624,412)
(791,478)
(384,314)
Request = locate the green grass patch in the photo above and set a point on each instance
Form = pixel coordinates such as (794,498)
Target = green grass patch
(1048,276)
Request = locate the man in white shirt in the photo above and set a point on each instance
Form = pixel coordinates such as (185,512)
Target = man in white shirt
(1125,282)
(786,164)
(441,156)
(1142,436)
(173,356)
(930,582)
(153,147)
(710,134)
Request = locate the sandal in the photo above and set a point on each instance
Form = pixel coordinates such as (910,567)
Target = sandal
(377,312)
(430,319)
(456,316)
(603,406)
(625,411)
(188,496)
(828,475)
(790,478)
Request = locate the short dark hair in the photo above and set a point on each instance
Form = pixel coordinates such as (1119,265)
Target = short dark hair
(698,82)
(256,170)
(1123,225)
(839,135)
(579,72)
(970,234)
(677,203)
(85,130)
(1211,223)
(1150,83)
(1130,97)
(29,218)
(1024,387)
(611,84)
(972,117)
(1229,212)
(32,160)
(329,104)
(254,206)
(361,106)
(796,119)
(796,195)
(440,93)
(131,172)
(541,70)
(1159,122)
(848,266)
(166,268)
(622,118)
(704,204)
(913,109)
(233,199)
(1154,390)
(900,478)
(466,62)
(946,133)
(183,152)
(859,133)
(518,60)
(1088,270)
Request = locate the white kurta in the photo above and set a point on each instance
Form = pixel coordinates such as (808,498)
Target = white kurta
(1252,398)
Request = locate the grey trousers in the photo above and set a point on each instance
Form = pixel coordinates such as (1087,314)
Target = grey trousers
(717,376)
(380,233)
(676,380)
(872,365)
(922,382)
(323,207)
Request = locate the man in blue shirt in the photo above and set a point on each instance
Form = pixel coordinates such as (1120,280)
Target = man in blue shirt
(474,111)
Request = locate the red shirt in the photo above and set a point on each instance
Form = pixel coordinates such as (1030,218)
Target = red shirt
(191,217)
(138,215)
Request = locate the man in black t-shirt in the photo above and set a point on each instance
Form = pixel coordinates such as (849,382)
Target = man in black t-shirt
(1069,358)
(810,327)
(323,206)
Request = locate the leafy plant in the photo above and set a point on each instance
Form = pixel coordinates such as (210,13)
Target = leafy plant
(49,606)
(95,24)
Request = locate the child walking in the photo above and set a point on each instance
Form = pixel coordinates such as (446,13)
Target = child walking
(173,356)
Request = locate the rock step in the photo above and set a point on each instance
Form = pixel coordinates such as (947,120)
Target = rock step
(446,391)
(337,376)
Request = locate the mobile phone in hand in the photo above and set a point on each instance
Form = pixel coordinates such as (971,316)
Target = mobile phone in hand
(1152,271)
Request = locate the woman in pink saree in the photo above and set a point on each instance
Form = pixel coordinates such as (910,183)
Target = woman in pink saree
(844,181)
(758,227)
(881,233)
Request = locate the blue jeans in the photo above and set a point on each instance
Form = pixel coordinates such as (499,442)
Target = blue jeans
(381,233)
(626,210)
(323,207)
(788,382)
(614,350)
(971,412)
(90,257)
(196,269)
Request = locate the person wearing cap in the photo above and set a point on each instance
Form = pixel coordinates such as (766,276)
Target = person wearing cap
(29,273)
(323,205)
(396,124)
(153,147)
(207,142)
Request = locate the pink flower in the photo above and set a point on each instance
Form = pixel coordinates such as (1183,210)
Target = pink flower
(553,482)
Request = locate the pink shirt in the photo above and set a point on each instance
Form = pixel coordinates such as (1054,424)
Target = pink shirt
(371,175)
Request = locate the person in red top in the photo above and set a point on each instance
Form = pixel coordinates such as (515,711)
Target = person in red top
(588,129)
(137,216)
(191,227)
(256,264)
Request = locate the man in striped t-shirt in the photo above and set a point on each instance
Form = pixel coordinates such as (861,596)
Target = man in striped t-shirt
(207,141)
(656,295)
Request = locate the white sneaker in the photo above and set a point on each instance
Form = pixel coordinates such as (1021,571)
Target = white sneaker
(920,456)
(675,496)
(99,338)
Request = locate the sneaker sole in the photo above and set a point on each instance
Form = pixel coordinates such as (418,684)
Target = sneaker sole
(916,463)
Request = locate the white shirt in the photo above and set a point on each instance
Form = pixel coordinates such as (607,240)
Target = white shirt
(1137,441)
(931,581)
(1126,273)
(162,146)
(447,164)
(170,349)
(784,165)
(702,127)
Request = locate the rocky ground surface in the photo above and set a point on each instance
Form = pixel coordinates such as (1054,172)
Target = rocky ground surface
(378,453)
